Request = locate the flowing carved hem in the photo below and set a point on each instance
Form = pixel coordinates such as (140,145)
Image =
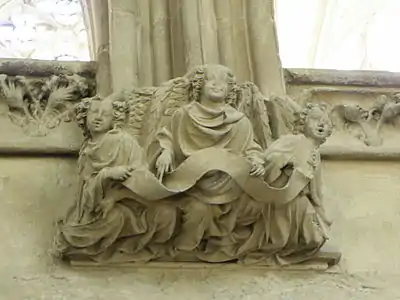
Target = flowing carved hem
(143,183)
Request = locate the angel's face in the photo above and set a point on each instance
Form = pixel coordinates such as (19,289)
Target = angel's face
(318,125)
(100,117)
(216,86)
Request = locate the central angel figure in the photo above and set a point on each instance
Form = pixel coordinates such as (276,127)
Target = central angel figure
(216,205)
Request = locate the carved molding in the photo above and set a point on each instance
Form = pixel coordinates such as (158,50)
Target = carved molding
(369,122)
(384,111)
(340,153)
(340,77)
(85,72)
(46,68)
(38,105)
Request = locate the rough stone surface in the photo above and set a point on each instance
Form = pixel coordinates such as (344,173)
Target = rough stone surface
(34,191)
(43,68)
(341,77)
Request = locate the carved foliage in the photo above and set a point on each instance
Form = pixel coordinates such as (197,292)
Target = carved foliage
(363,123)
(38,105)
(385,110)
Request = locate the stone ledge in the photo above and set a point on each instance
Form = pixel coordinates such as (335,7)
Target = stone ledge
(46,68)
(328,153)
(38,150)
(310,266)
(342,77)
(362,153)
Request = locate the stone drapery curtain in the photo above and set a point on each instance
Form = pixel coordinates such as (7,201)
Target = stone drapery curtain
(145,42)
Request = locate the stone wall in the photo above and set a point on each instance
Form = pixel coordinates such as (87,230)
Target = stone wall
(38,181)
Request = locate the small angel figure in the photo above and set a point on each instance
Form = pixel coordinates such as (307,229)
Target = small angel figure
(307,219)
(101,223)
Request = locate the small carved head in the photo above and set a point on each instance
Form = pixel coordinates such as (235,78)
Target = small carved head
(215,83)
(97,115)
(355,113)
(314,122)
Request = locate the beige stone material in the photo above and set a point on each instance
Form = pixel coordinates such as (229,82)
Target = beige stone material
(45,68)
(364,110)
(150,42)
(341,77)
(28,217)
(219,191)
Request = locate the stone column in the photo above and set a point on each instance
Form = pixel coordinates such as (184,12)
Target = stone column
(97,25)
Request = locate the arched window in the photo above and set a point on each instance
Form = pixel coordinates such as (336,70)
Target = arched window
(339,34)
(43,29)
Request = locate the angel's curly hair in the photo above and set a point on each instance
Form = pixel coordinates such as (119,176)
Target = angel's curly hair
(198,80)
(302,115)
(120,111)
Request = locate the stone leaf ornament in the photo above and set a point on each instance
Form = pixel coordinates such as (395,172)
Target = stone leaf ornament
(39,105)
(385,110)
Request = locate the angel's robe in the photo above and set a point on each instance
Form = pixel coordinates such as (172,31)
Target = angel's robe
(195,127)
(84,232)
(299,153)
(215,205)
(296,230)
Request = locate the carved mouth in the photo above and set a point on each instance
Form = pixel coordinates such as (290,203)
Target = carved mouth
(364,115)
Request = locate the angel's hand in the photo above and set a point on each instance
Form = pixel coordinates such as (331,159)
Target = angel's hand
(257,170)
(104,208)
(164,164)
(119,173)
(321,212)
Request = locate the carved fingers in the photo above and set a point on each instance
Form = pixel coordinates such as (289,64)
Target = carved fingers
(257,170)
(104,208)
(164,164)
(120,173)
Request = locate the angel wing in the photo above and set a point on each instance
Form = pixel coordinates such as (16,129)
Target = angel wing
(152,109)
(254,105)
(283,113)
(139,101)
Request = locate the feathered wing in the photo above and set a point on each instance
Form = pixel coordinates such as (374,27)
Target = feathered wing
(139,102)
(254,105)
(270,116)
(164,101)
(284,112)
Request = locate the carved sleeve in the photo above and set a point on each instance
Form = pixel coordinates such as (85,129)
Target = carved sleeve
(316,188)
(165,136)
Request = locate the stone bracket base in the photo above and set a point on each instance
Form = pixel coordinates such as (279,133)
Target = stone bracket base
(307,266)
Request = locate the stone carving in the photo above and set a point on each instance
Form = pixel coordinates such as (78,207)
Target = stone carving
(39,105)
(369,121)
(205,182)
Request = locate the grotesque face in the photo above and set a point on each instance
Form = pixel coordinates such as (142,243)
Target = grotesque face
(100,117)
(216,86)
(318,125)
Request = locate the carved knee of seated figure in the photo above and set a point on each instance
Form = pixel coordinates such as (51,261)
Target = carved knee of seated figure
(164,217)
(195,221)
